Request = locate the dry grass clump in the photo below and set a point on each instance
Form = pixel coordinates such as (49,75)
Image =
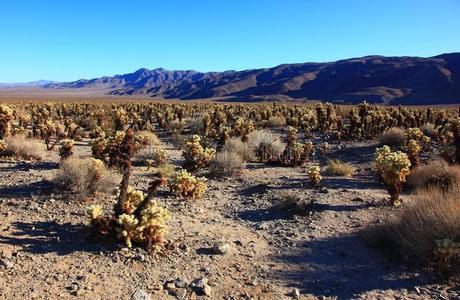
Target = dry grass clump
(276,122)
(236,146)
(339,168)
(86,176)
(22,147)
(291,202)
(436,173)
(426,232)
(393,137)
(155,156)
(227,163)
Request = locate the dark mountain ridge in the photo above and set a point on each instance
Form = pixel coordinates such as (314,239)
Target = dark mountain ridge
(377,79)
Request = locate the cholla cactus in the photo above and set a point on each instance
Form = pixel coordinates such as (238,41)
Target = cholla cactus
(446,252)
(243,128)
(3,146)
(128,228)
(6,115)
(195,155)
(66,149)
(152,226)
(413,150)
(393,168)
(414,133)
(184,184)
(314,175)
(94,211)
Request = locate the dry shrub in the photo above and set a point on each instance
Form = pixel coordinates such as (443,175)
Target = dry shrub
(165,170)
(237,146)
(266,137)
(393,137)
(276,122)
(436,173)
(291,202)
(428,129)
(179,140)
(152,138)
(227,163)
(413,232)
(22,147)
(86,176)
(154,154)
(195,125)
(339,168)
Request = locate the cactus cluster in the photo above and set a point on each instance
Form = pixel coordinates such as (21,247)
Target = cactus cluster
(196,156)
(183,184)
(393,169)
(314,174)
(6,115)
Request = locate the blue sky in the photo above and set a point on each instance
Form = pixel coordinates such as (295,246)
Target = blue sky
(68,40)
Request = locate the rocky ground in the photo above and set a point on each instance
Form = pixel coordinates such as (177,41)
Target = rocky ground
(232,244)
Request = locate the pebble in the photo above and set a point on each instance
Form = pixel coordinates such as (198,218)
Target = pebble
(295,294)
(180,283)
(181,293)
(6,263)
(221,248)
(140,294)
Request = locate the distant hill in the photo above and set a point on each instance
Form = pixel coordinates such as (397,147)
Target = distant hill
(377,79)
(27,84)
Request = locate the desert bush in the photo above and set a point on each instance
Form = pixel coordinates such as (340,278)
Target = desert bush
(196,156)
(151,156)
(293,203)
(428,129)
(148,138)
(426,232)
(86,176)
(226,163)
(435,174)
(276,122)
(339,168)
(266,146)
(393,137)
(235,145)
(21,147)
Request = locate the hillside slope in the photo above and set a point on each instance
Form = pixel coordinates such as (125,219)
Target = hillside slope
(377,79)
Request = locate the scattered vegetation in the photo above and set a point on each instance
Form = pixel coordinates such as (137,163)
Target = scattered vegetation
(393,137)
(21,147)
(339,168)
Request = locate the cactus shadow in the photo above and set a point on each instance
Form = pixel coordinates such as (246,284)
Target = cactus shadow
(341,267)
(27,190)
(7,166)
(50,237)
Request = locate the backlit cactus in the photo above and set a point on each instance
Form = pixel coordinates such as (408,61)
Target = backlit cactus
(393,167)
(195,155)
(314,174)
(413,150)
(66,149)
(6,115)
(184,184)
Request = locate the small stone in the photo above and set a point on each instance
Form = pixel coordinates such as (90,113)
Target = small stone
(207,290)
(140,294)
(140,257)
(295,294)
(180,283)
(6,263)
(199,282)
(323,190)
(181,294)
(221,248)
(170,286)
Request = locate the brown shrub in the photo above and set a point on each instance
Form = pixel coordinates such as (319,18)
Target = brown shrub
(436,173)
(266,137)
(276,122)
(227,163)
(243,150)
(86,176)
(152,138)
(339,168)
(413,232)
(393,137)
(291,202)
(22,147)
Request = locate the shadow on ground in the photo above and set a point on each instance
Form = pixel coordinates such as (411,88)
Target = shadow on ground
(50,237)
(8,166)
(27,190)
(341,267)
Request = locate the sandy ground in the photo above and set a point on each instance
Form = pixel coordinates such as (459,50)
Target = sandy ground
(46,255)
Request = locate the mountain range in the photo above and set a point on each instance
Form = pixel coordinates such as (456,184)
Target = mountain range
(377,79)
(38,83)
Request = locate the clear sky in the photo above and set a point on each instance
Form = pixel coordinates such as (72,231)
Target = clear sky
(66,40)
